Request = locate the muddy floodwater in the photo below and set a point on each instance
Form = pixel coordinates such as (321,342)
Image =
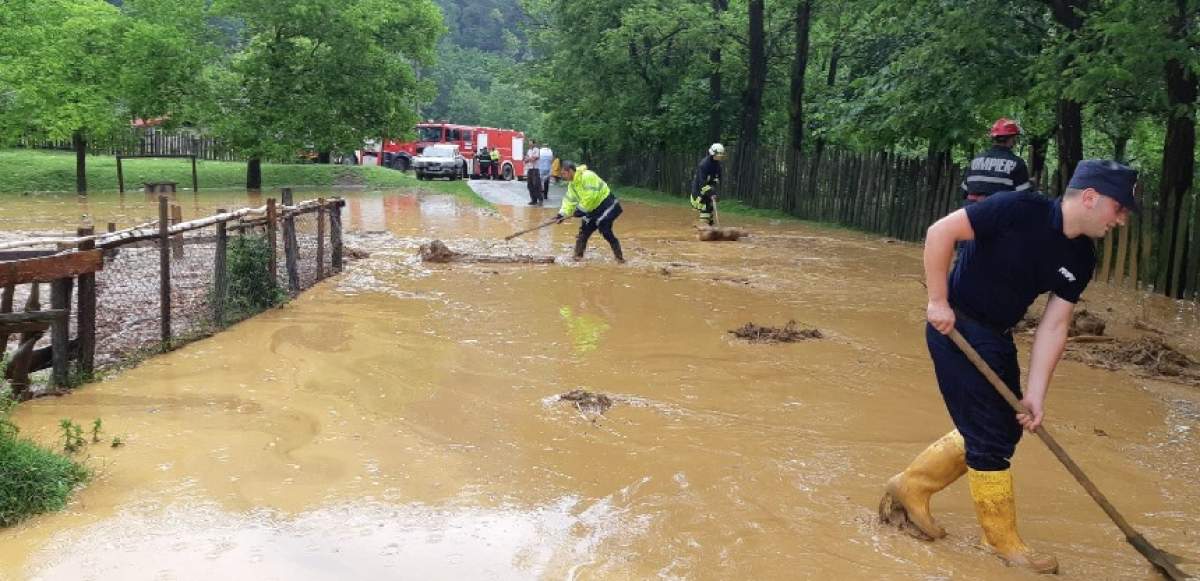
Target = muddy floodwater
(403,421)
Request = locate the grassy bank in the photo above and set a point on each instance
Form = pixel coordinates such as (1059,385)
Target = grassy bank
(23,171)
(33,479)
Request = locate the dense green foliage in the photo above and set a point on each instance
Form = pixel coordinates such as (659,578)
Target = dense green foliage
(251,288)
(34,480)
(483,72)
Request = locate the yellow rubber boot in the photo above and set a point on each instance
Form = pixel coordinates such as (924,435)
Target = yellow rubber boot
(992,492)
(906,501)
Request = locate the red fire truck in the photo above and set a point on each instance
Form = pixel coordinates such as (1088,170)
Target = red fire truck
(469,138)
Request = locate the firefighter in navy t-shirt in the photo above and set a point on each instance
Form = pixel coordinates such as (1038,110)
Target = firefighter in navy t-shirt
(998,169)
(1025,244)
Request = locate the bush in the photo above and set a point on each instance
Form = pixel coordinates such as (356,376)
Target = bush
(34,479)
(251,287)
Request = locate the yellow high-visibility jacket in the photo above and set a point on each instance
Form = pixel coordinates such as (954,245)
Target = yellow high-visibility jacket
(586,191)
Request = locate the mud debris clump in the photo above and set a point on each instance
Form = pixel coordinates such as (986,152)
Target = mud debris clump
(436,251)
(1083,323)
(719,234)
(1149,356)
(788,333)
(587,402)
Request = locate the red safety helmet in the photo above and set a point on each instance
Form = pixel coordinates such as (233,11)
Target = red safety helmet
(1003,127)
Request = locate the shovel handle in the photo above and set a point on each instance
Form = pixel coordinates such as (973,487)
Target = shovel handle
(528,230)
(1156,556)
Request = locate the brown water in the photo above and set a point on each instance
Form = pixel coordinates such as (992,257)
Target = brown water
(400,422)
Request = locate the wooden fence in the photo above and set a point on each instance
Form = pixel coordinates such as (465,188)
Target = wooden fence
(137,141)
(900,197)
(185,262)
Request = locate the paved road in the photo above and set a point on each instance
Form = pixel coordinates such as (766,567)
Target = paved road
(513,193)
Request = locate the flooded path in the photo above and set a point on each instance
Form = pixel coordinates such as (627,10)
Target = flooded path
(401,421)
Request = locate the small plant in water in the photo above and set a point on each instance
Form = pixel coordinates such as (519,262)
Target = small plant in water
(96,425)
(72,435)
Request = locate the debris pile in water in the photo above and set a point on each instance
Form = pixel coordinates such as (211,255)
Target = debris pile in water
(719,234)
(587,402)
(437,251)
(1083,323)
(788,333)
(1149,355)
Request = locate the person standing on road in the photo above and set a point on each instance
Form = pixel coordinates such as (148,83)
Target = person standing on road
(495,162)
(484,157)
(998,169)
(589,198)
(1025,244)
(533,179)
(704,186)
(545,167)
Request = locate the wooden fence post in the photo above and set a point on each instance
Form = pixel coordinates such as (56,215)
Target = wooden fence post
(164,271)
(86,322)
(176,240)
(6,303)
(335,235)
(220,276)
(60,331)
(320,238)
(290,247)
(272,216)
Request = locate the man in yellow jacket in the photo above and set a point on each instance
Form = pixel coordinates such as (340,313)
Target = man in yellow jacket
(589,198)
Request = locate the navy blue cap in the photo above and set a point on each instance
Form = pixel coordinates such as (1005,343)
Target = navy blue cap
(1108,177)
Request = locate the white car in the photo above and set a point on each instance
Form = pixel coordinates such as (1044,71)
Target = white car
(441,160)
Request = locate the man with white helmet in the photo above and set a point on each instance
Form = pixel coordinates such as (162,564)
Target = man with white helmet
(708,176)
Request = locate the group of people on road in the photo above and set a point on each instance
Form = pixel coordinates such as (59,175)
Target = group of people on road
(1013,244)
(540,166)
(489,163)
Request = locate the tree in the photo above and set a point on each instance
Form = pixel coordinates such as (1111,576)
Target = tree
(83,69)
(320,74)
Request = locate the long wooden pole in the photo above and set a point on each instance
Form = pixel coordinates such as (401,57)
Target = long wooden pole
(1156,556)
(164,266)
(528,230)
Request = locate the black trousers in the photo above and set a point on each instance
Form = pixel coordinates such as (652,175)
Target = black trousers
(533,181)
(985,420)
(601,219)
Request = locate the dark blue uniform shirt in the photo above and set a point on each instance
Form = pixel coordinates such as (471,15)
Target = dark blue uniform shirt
(996,170)
(708,173)
(1019,252)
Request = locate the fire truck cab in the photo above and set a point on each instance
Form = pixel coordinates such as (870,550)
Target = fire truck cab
(469,138)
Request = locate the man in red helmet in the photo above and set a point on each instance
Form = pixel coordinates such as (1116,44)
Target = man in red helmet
(998,169)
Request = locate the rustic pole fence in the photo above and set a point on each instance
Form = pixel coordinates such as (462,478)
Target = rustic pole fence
(220,274)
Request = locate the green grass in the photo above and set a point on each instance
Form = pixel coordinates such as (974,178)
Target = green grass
(27,171)
(54,171)
(33,479)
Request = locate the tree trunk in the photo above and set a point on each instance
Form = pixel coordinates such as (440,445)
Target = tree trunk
(1069,140)
(714,79)
(1120,146)
(254,174)
(756,82)
(1037,160)
(1178,165)
(1070,15)
(803,18)
(79,143)
(323,157)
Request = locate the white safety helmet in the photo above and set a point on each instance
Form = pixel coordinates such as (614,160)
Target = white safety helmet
(716,149)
